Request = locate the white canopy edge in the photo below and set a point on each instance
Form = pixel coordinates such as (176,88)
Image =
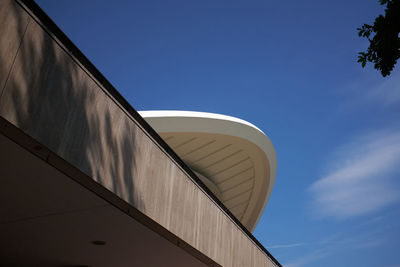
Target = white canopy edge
(164,121)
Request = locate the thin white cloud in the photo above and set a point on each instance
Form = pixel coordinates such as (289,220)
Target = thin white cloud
(387,92)
(371,90)
(360,179)
(372,221)
(336,244)
(371,244)
(305,260)
(333,245)
(287,245)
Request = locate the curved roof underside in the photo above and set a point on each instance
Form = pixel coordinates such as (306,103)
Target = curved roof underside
(234,158)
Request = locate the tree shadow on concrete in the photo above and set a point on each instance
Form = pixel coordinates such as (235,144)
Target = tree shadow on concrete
(54,99)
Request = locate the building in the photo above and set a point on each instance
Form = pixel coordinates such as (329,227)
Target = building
(86,181)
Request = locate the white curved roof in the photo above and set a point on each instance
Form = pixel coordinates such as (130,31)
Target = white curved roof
(234,158)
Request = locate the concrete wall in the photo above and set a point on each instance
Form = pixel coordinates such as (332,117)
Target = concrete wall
(48,94)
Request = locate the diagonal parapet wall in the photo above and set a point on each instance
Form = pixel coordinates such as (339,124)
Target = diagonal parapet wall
(80,124)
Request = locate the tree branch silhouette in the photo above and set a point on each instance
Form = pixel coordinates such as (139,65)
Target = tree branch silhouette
(384,46)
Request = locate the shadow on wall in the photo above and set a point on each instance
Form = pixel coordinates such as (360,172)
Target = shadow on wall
(54,100)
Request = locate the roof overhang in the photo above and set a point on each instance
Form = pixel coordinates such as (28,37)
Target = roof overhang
(48,219)
(234,158)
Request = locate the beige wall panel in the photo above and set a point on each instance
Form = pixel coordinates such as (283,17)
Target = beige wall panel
(53,99)
(184,214)
(13,22)
(40,94)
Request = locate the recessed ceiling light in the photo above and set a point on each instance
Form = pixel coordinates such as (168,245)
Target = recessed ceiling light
(99,242)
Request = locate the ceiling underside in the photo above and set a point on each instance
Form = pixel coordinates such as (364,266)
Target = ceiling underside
(229,166)
(47,219)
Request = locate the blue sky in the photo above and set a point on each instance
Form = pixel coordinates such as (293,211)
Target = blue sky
(289,67)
